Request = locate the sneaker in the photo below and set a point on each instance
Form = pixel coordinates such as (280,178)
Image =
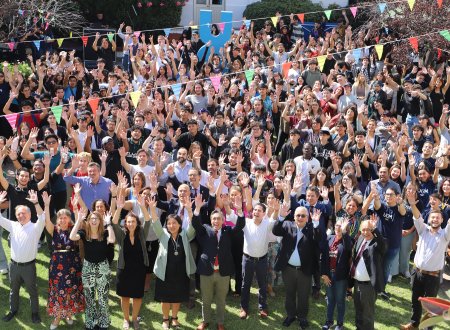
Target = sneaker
(389,278)
(327,325)
(407,274)
(243,314)
(385,296)
(339,327)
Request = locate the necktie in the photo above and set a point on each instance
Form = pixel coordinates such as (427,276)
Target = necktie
(358,257)
(216,259)
(182,213)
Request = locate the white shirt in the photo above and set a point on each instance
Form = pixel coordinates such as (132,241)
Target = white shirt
(430,254)
(204,180)
(257,237)
(361,273)
(294,260)
(147,169)
(24,239)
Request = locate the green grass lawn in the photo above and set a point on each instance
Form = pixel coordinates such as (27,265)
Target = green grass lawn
(388,314)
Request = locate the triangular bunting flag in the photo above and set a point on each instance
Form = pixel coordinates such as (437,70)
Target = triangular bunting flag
(321,61)
(439,3)
(85,40)
(356,54)
(439,54)
(167,31)
(215,82)
(11,45)
(327,13)
(414,43)
(221,26)
(411,4)
(93,103)
(137,33)
(285,68)
(70,34)
(445,34)
(57,111)
(274,20)
(37,44)
(382,7)
(11,118)
(249,75)
(135,97)
(110,36)
(176,88)
(301,17)
(354,10)
(60,41)
(379,50)
(46,26)
(247,23)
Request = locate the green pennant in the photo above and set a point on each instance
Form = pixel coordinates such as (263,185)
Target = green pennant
(249,75)
(57,111)
(110,36)
(328,13)
(445,34)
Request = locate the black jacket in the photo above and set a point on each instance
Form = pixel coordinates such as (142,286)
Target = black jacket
(373,259)
(343,258)
(308,245)
(207,239)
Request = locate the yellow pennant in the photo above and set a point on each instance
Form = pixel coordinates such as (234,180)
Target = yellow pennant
(70,34)
(135,97)
(60,41)
(379,49)
(411,4)
(321,61)
(274,20)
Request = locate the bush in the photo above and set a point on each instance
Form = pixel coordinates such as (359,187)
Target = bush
(23,67)
(267,8)
(150,14)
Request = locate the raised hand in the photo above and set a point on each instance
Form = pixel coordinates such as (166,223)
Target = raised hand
(285,209)
(199,202)
(373,221)
(32,196)
(104,156)
(315,216)
(113,189)
(34,133)
(324,192)
(3,197)
(245,179)
(107,218)
(77,188)
(210,184)
(46,198)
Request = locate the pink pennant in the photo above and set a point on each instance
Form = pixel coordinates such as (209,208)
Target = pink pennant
(215,82)
(439,3)
(46,26)
(354,10)
(85,40)
(12,118)
(11,46)
(221,26)
(439,53)
(137,33)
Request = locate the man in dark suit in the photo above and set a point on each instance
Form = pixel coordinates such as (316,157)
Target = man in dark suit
(367,272)
(195,188)
(215,264)
(297,259)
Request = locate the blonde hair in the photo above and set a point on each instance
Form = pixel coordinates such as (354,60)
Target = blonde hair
(85,154)
(101,228)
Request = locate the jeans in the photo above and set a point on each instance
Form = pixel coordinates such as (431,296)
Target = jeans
(336,298)
(3,260)
(389,257)
(126,61)
(249,267)
(410,122)
(402,266)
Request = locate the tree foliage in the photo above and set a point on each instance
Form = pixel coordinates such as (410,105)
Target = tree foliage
(424,22)
(19,16)
(140,14)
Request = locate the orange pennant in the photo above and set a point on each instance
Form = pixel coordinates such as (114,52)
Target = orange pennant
(285,68)
(301,17)
(85,40)
(93,103)
(414,43)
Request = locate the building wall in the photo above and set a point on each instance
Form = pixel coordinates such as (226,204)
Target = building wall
(238,7)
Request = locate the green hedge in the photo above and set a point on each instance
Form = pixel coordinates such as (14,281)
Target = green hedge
(148,17)
(23,67)
(268,8)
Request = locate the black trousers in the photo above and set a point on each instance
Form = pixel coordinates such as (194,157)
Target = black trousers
(237,249)
(298,289)
(422,286)
(364,298)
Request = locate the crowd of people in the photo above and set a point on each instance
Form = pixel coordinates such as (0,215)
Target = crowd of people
(315,178)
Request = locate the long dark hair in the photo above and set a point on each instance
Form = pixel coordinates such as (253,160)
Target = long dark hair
(177,218)
(138,221)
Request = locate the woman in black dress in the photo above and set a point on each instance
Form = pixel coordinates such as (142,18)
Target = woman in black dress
(133,259)
(174,263)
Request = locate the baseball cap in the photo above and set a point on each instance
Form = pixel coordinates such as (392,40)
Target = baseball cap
(106,139)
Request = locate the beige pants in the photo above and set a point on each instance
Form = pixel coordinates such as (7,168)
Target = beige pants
(210,286)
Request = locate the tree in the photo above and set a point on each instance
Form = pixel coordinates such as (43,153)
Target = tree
(424,21)
(20,16)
